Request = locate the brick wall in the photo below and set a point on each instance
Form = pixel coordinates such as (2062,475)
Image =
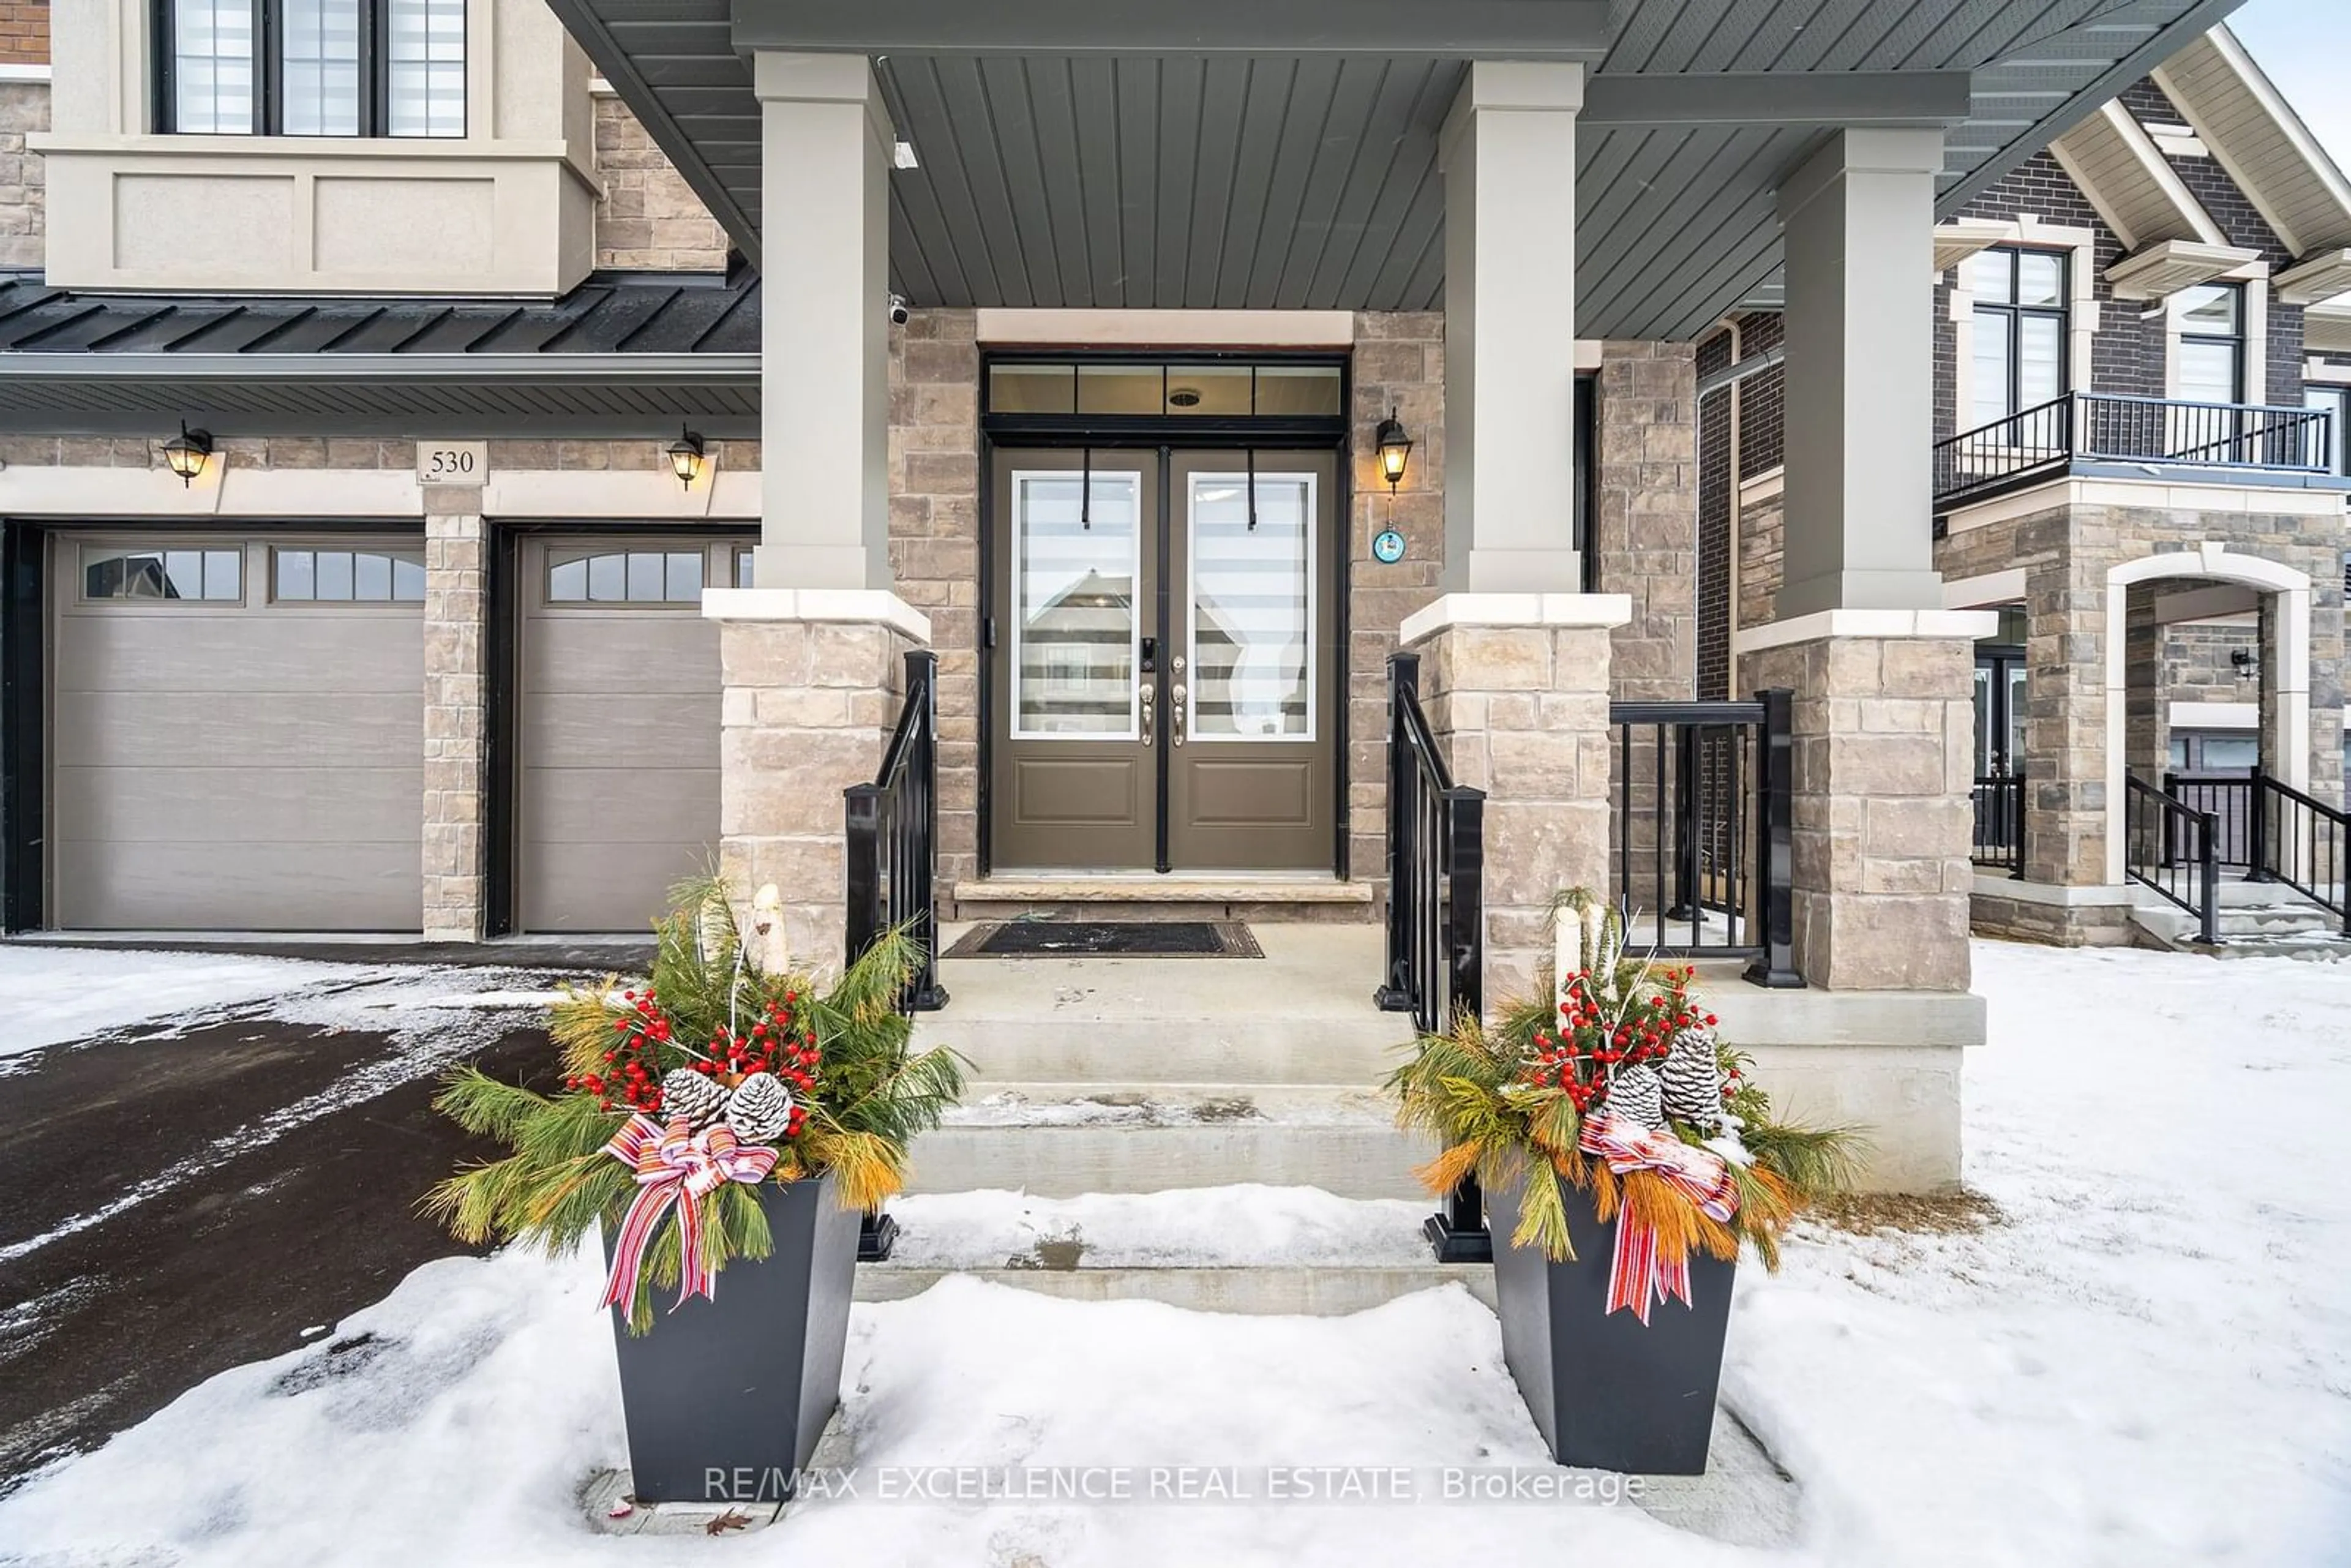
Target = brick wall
(1762,398)
(648,217)
(23,31)
(24,107)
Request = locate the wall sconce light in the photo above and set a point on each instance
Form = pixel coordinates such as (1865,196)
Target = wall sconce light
(187,453)
(2248,663)
(685,457)
(1395,450)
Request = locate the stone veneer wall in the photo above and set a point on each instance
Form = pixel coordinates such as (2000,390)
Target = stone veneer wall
(24,107)
(935,547)
(1644,529)
(1399,363)
(1763,540)
(456,711)
(2065,551)
(648,217)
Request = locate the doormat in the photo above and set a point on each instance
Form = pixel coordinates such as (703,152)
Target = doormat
(1107,939)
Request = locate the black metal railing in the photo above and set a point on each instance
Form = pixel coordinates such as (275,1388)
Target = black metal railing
(2303,842)
(1998,840)
(2229,797)
(2173,849)
(1703,798)
(1436,915)
(2113,427)
(893,834)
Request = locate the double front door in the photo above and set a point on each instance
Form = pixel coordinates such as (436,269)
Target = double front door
(1164,672)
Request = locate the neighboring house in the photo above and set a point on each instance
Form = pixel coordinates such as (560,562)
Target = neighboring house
(2135,357)
(444,493)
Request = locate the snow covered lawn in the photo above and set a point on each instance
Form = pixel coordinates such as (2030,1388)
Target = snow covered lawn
(2148,1362)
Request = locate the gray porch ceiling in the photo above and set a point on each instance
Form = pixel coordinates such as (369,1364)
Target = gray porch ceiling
(1283,154)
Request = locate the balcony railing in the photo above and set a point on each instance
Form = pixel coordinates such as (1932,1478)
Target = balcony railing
(1999,841)
(2106,427)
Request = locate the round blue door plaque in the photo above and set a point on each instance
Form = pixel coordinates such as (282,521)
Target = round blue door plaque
(1389,545)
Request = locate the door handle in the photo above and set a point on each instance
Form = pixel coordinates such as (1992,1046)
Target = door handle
(1176,701)
(1148,691)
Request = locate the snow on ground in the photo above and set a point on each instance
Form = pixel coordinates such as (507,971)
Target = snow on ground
(70,993)
(1189,1228)
(2148,1362)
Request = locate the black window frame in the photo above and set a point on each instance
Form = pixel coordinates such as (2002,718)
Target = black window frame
(2012,315)
(2236,341)
(2334,399)
(269,75)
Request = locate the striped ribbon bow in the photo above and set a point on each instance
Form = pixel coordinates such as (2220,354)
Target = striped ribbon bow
(1637,1277)
(672,1164)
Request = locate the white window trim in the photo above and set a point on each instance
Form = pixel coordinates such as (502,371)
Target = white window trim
(2082,314)
(2255,277)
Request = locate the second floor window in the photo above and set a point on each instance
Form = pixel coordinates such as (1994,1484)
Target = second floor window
(312,67)
(2212,343)
(2019,330)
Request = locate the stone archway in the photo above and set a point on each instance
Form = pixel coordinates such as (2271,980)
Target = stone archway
(2285,691)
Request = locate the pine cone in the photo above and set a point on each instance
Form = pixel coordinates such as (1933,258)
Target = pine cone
(1693,1081)
(1637,1095)
(697,1096)
(760,1109)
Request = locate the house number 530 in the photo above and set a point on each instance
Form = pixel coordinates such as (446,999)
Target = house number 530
(452,461)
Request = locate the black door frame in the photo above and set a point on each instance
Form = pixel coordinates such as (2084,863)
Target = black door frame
(1999,658)
(1164,434)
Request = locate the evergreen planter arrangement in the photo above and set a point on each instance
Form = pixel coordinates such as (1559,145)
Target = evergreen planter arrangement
(1626,1159)
(719,1119)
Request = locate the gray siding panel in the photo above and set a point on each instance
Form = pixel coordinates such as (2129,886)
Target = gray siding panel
(618,744)
(236,767)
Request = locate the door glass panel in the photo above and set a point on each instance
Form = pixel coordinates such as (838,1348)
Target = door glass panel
(1983,720)
(1075,560)
(2208,372)
(2015,717)
(1252,607)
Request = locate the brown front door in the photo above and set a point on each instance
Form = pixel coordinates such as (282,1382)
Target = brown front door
(1164,664)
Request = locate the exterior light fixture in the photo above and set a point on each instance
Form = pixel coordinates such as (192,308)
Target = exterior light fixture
(2247,662)
(1395,450)
(187,453)
(685,458)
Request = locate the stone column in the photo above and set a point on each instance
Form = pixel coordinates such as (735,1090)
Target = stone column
(825,333)
(812,686)
(455,712)
(1515,686)
(1860,218)
(1884,756)
(1509,150)
(810,659)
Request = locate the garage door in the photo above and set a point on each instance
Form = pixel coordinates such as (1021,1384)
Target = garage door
(617,794)
(237,734)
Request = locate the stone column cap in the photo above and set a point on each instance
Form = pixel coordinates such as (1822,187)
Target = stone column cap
(876,606)
(1543,609)
(1967,625)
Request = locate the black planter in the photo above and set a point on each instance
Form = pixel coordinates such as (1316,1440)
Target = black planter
(726,1397)
(1606,1392)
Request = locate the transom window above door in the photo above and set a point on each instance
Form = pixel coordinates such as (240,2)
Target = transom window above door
(310,67)
(2020,324)
(1230,389)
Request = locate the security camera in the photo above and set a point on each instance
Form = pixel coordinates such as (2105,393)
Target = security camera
(897,310)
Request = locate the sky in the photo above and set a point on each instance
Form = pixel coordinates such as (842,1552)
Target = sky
(2305,46)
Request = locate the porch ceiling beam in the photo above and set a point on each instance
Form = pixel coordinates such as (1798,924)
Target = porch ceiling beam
(1924,99)
(1515,30)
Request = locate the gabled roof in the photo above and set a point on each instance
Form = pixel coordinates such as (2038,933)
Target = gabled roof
(623,353)
(2258,138)
(1236,153)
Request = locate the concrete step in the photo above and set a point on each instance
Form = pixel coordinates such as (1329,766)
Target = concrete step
(1300,1015)
(2298,928)
(1062,1140)
(1291,1289)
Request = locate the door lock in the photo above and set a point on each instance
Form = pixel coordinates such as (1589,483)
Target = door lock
(1176,701)
(1149,691)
